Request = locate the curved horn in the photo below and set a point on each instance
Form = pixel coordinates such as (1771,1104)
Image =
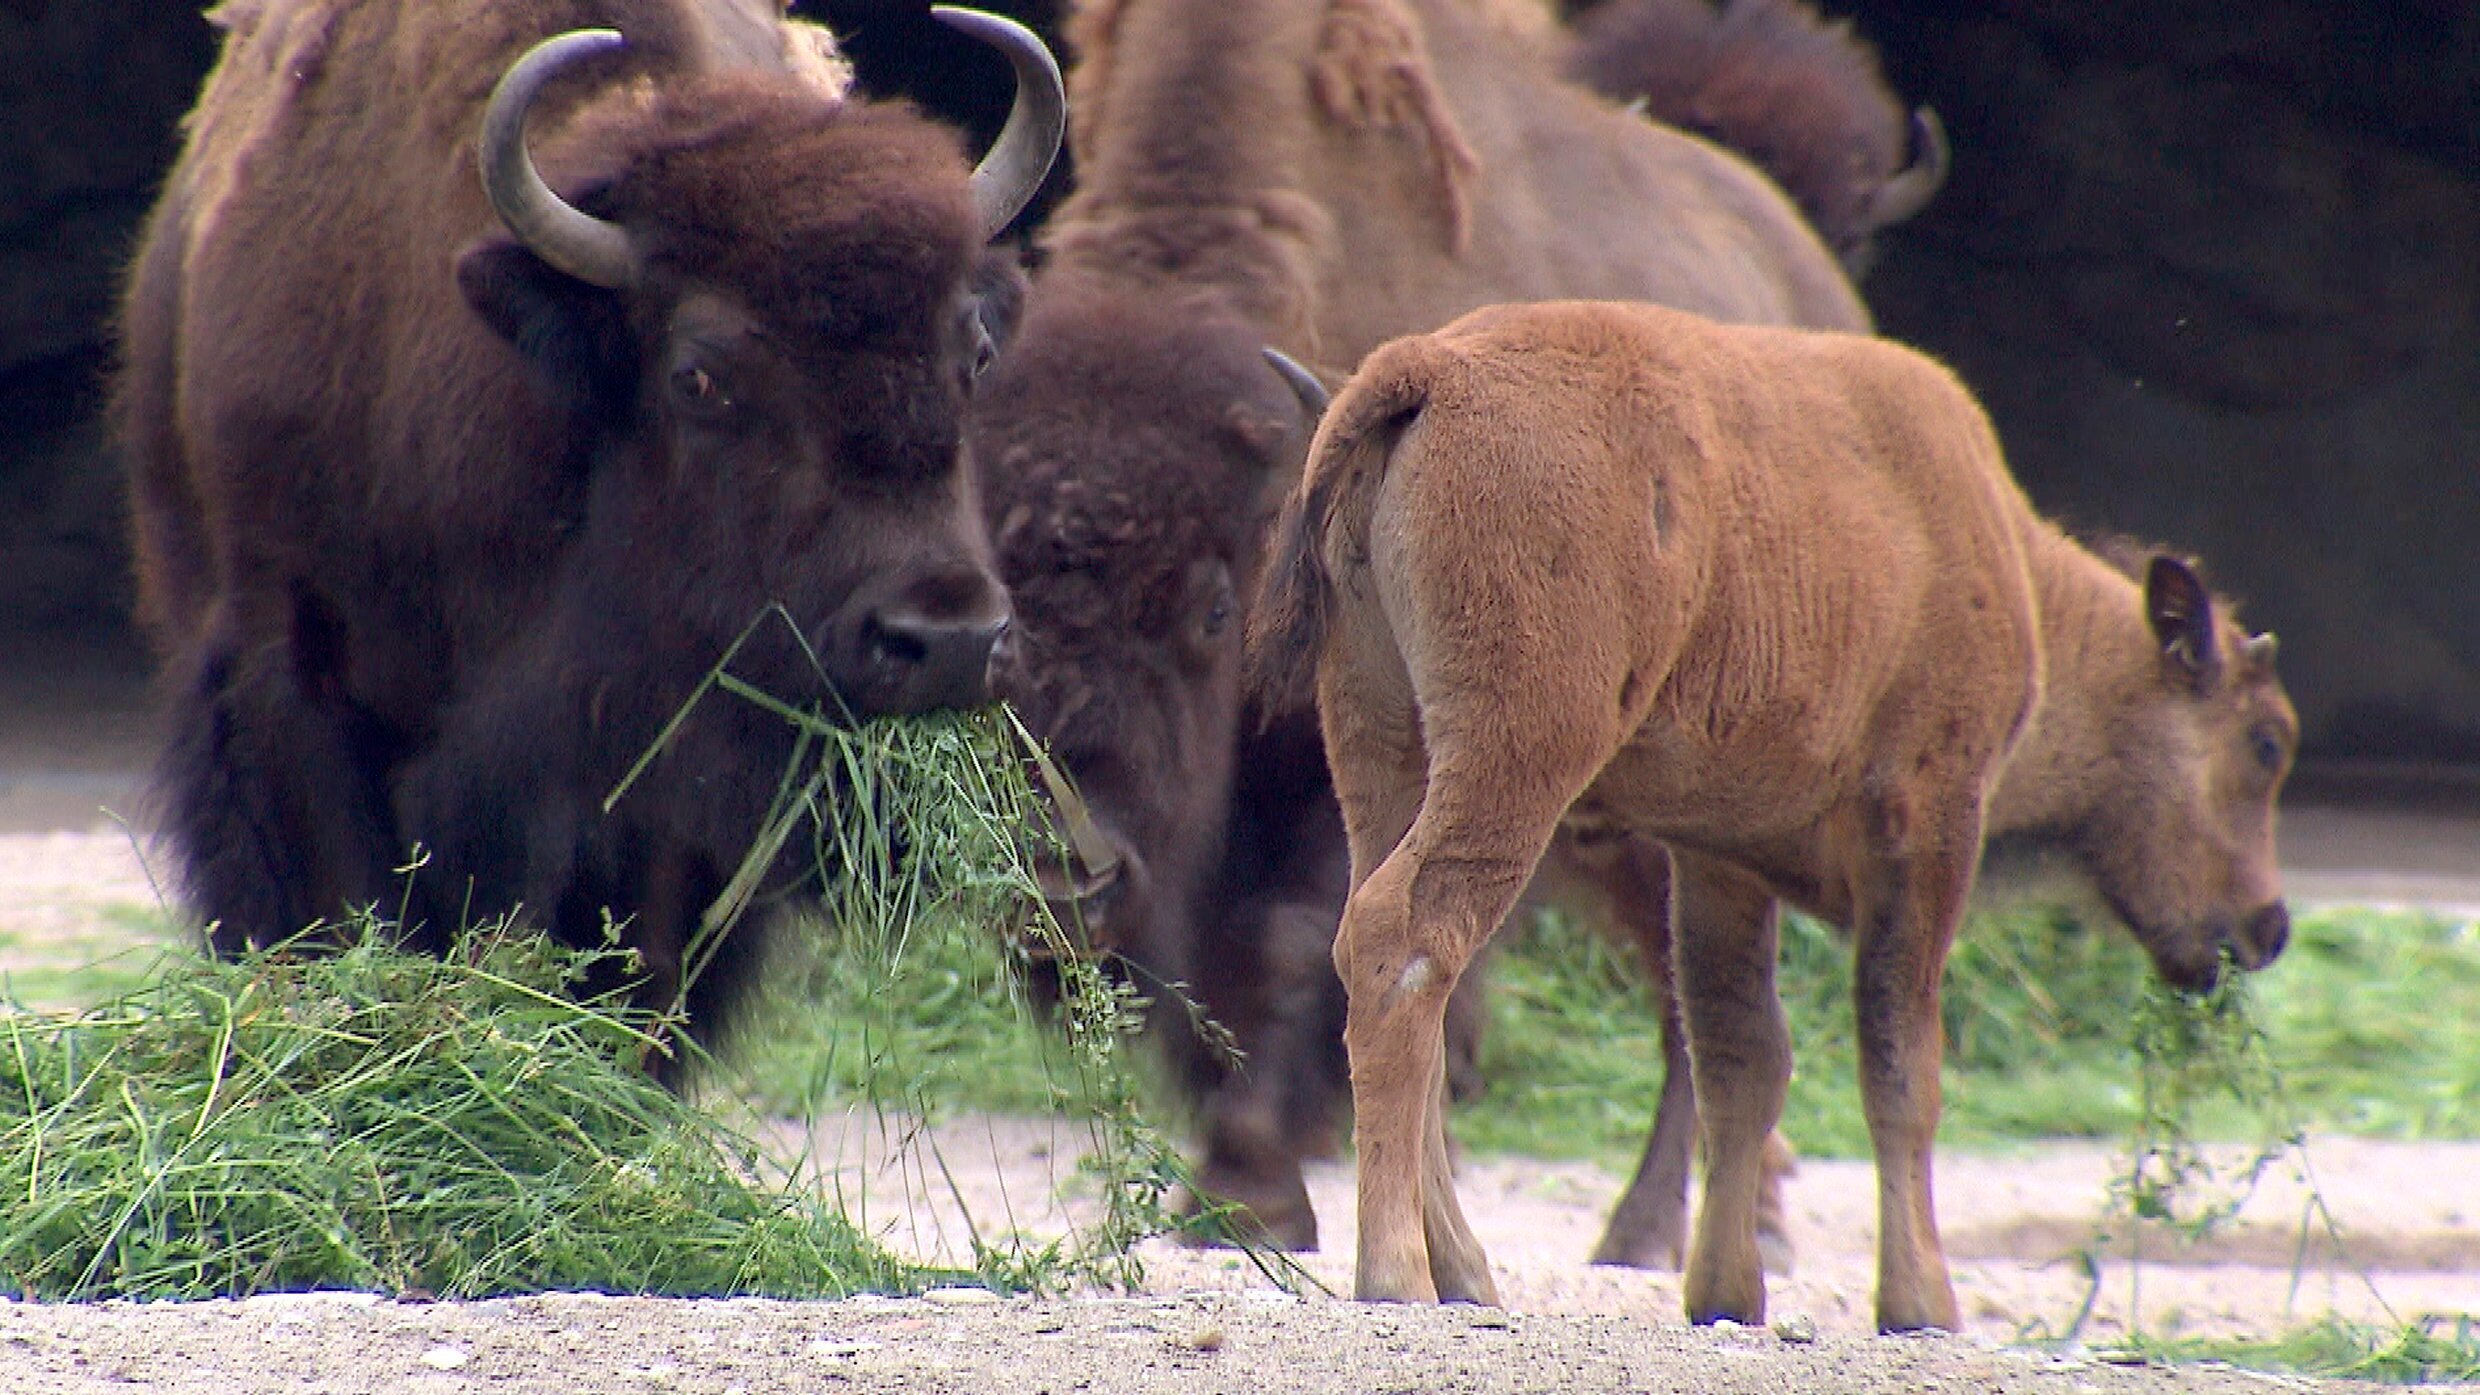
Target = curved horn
(1305,385)
(1006,179)
(2260,649)
(579,244)
(1910,191)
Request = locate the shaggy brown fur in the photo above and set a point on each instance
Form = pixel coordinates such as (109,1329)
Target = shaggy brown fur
(1799,94)
(433,538)
(1351,170)
(1133,451)
(1771,598)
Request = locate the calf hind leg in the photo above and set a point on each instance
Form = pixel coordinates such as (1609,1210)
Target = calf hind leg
(1906,923)
(1630,881)
(1410,928)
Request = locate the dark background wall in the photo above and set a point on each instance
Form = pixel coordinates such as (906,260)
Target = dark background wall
(2215,269)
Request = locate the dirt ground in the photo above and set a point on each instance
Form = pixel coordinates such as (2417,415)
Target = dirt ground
(2015,1224)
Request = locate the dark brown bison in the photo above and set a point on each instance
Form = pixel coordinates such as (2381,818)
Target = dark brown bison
(1133,452)
(1769,597)
(448,487)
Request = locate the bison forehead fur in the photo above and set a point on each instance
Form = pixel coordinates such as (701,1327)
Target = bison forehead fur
(1126,438)
(816,212)
(1132,450)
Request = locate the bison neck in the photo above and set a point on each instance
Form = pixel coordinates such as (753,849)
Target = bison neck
(1191,120)
(2098,660)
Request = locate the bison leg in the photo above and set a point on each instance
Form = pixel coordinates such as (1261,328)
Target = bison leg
(1905,921)
(271,794)
(1649,1227)
(1410,929)
(1248,1169)
(1427,891)
(1740,1056)
(1623,883)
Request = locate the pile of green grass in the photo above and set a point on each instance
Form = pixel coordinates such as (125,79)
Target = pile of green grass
(375,1120)
(2433,1350)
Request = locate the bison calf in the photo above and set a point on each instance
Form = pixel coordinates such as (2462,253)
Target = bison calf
(1770,597)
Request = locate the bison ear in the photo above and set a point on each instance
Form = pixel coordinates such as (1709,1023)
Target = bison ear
(2181,612)
(575,334)
(999,294)
(1263,437)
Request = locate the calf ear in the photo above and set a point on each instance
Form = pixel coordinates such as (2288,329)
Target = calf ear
(574,334)
(2181,612)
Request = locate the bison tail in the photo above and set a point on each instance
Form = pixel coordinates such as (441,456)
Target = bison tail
(1288,623)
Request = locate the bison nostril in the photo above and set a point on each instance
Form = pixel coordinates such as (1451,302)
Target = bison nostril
(895,643)
(2267,932)
(932,663)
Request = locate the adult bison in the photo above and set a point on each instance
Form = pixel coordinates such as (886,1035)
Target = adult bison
(1771,597)
(448,487)
(1332,172)
(1352,170)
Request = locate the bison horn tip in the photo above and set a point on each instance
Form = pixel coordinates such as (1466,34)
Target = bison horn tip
(1019,160)
(570,240)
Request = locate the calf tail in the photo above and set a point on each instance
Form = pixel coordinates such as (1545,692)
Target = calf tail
(1295,597)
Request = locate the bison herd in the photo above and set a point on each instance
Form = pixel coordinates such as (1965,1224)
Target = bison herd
(1627,570)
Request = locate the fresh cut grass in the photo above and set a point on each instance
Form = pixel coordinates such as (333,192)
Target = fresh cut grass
(356,1117)
(373,1120)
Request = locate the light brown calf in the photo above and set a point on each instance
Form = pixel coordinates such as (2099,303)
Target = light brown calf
(1770,597)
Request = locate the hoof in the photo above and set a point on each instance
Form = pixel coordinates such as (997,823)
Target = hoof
(1649,1249)
(1288,1225)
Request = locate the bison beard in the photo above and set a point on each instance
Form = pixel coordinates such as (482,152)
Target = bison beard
(438,526)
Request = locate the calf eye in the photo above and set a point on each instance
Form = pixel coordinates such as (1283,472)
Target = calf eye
(2268,749)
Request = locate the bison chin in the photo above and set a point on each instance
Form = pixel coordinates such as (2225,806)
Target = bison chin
(1093,885)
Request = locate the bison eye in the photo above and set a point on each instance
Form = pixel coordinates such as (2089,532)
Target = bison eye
(1219,601)
(985,352)
(696,389)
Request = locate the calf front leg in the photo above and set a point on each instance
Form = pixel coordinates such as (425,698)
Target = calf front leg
(1739,1051)
(1649,1227)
